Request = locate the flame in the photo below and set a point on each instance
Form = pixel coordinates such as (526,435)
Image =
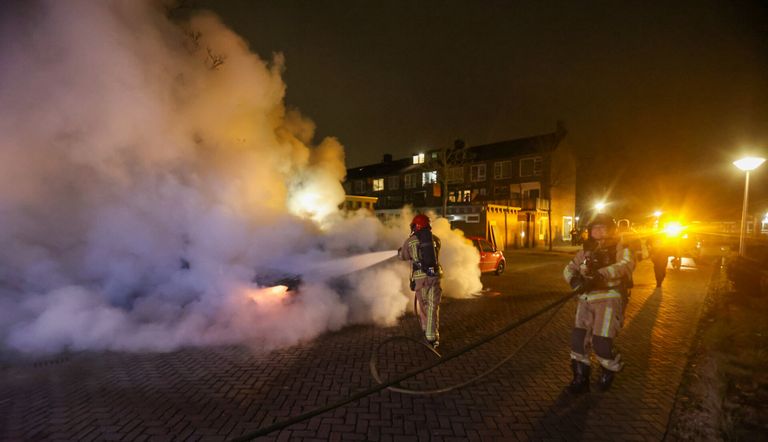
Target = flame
(268,294)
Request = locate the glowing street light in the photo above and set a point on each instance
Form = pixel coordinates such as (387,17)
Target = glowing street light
(600,206)
(746,164)
(657,213)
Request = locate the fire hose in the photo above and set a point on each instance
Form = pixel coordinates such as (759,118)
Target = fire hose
(373,364)
(390,384)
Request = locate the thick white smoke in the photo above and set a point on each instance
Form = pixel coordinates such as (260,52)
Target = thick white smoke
(149,169)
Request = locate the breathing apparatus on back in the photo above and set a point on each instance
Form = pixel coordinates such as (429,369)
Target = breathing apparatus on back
(427,251)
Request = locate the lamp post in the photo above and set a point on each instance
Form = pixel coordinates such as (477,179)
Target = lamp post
(746,164)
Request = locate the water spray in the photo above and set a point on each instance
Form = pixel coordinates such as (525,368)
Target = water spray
(323,271)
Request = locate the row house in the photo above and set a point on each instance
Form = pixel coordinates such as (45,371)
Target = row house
(511,192)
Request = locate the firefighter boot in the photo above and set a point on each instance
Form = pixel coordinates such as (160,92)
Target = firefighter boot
(580,382)
(606,379)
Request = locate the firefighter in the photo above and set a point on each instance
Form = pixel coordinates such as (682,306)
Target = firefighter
(659,252)
(599,273)
(422,248)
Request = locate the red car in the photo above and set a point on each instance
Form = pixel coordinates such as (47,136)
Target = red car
(491,260)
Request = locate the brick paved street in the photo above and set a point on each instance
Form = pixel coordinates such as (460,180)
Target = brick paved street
(215,394)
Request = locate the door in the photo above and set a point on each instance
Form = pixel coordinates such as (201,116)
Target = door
(487,258)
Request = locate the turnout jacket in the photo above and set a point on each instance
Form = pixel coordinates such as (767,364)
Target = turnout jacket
(410,252)
(614,276)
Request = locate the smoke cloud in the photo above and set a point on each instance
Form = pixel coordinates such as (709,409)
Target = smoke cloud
(149,169)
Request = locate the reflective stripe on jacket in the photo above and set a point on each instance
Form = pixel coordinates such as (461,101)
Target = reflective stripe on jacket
(410,252)
(614,274)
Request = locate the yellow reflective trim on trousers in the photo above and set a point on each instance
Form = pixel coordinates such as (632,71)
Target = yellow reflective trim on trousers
(607,315)
(430,328)
(600,296)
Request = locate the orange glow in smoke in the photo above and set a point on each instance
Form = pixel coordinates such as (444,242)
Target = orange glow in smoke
(268,294)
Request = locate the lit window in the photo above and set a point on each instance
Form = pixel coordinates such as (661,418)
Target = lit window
(418,158)
(477,172)
(429,177)
(378,184)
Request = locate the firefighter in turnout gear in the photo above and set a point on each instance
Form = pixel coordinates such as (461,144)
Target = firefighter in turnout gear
(599,275)
(422,248)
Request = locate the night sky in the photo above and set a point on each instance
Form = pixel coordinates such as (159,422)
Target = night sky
(658,97)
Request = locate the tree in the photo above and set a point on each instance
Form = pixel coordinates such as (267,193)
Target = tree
(558,176)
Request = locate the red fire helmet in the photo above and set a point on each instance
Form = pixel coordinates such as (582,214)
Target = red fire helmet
(419,222)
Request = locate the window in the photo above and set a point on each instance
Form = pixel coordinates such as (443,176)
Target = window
(418,158)
(410,181)
(429,177)
(434,154)
(567,228)
(502,191)
(378,184)
(393,182)
(502,170)
(532,193)
(531,166)
(485,246)
(466,196)
(455,174)
(359,186)
(477,172)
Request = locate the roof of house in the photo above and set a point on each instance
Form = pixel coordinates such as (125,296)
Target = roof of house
(394,167)
(519,147)
(503,149)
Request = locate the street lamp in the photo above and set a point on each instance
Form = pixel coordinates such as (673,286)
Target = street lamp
(600,206)
(746,164)
(657,214)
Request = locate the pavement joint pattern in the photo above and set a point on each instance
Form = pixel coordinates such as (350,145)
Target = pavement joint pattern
(215,394)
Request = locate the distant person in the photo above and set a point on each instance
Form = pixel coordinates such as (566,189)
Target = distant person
(598,273)
(659,252)
(422,248)
(575,236)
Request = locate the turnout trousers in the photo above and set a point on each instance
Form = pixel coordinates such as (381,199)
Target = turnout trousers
(428,294)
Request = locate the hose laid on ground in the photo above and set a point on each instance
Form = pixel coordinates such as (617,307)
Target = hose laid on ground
(400,378)
(373,364)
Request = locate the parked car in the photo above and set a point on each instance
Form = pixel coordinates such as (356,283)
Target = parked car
(491,260)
